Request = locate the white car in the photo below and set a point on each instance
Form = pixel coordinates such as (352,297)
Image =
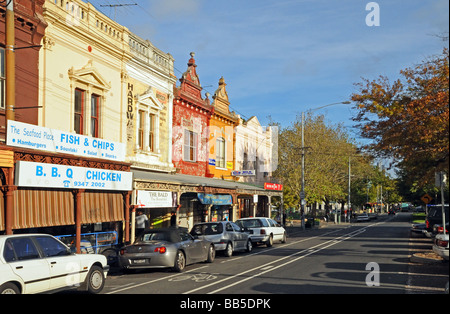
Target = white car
(37,263)
(263,229)
(363,217)
(440,246)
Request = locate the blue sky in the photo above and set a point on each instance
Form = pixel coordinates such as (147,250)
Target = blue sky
(282,57)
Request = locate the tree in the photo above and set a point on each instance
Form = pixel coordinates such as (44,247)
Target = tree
(327,152)
(409,119)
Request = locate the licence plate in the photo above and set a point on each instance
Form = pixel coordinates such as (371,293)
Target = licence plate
(139,261)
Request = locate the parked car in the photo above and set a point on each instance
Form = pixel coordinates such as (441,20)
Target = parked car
(263,230)
(440,245)
(434,216)
(37,263)
(164,248)
(226,236)
(362,217)
(418,229)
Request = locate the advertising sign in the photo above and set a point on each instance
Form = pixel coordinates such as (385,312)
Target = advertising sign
(35,174)
(155,199)
(273,186)
(243,172)
(31,136)
(215,199)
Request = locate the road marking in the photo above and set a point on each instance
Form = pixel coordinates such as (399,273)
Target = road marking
(152,281)
(264,269)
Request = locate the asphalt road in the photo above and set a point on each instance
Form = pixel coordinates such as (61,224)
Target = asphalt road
(357,258)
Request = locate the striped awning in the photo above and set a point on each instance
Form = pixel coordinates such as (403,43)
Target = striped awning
(42,208)
(101,207)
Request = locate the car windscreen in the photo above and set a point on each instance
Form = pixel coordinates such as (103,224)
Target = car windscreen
(207,229)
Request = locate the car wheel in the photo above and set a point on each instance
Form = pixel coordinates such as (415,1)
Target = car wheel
(269,242)
(180,262)
(283,240)
(229,249)
(95,280)
(211,254)
(9,288)
(249,246)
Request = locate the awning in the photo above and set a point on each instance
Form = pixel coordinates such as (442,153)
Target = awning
(215,199)
(183,179)
(42,208)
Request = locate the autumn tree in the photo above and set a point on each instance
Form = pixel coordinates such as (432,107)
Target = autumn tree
(408,120)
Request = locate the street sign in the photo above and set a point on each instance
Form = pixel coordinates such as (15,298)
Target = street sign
(426,198)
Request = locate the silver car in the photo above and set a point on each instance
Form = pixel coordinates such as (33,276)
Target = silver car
(226,236)
(166,247)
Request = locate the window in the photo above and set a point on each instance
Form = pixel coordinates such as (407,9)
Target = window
(19,249)
(2,78)
(79,111)
(151,135)
(52,247)
(141,127)
(95,114)
(190,146)
(220,153)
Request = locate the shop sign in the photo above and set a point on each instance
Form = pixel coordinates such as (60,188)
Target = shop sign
(243,173)
(213,199)
(31,136)
(156,199)
(43,175)
(273,186)
(211,162)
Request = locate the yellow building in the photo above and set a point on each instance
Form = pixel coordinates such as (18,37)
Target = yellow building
(221,135)
(82,69)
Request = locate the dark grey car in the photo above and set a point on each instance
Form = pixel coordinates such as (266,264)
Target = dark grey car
(226,236)
(167,247)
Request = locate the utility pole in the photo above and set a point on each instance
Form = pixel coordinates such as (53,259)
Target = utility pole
(302,193)
(10,63)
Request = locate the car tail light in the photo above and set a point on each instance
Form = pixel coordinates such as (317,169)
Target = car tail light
(161,249)
(427,223)
(441,243)
(262,231)
(122,251)
(440,229)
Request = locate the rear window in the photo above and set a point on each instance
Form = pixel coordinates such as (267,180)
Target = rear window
(158,236)
(207,229)
(252,223)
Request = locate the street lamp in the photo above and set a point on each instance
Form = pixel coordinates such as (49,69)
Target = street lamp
(302,193)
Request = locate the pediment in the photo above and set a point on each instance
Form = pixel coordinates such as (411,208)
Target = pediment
(90,75)
(149,100)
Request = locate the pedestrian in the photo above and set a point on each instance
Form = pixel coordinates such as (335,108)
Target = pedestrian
(173,220)
(141,223)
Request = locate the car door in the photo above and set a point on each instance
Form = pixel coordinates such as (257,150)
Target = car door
(191,246)
(240,237)
(276,229)
(64,266)
(25,261)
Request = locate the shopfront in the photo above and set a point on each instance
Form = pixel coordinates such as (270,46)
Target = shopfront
(52,192)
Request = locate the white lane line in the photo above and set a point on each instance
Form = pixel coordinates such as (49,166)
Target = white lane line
(265,266)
